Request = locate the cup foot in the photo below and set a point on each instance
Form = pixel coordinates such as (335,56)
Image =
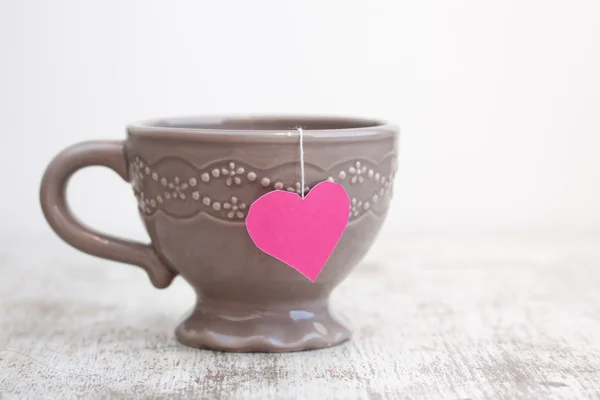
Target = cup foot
(260,331)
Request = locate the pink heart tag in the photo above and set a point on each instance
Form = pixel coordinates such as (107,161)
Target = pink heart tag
(300,232)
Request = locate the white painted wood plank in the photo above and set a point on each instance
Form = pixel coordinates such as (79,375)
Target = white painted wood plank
(434,319)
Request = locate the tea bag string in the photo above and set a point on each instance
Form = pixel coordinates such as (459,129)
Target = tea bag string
(301,132)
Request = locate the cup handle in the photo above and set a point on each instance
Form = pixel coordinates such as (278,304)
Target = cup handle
(109,154)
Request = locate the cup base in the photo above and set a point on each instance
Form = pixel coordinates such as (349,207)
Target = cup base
(220,328)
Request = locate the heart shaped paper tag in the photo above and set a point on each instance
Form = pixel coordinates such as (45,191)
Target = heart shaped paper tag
(300,232)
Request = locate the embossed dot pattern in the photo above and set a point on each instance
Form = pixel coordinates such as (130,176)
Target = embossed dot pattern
(231,174)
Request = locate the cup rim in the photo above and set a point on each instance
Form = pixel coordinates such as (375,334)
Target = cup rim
(206,127)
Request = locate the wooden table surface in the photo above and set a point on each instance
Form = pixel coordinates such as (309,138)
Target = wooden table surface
(433,318)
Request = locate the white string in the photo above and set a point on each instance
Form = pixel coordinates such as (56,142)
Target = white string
(301,132)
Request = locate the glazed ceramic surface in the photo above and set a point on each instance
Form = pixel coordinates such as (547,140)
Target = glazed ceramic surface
(194,180)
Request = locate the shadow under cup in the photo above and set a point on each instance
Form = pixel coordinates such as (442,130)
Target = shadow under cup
(194,180)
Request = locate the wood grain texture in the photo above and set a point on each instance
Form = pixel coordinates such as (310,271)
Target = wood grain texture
(433,318)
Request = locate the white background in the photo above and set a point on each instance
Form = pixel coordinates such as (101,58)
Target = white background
(498,101)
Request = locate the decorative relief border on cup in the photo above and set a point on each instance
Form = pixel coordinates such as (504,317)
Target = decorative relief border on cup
(189,190)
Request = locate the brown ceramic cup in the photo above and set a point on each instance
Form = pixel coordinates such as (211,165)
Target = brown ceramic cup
(194,179)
